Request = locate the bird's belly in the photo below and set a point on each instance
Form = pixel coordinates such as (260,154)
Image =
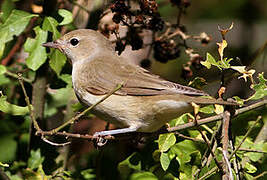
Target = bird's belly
(146,113)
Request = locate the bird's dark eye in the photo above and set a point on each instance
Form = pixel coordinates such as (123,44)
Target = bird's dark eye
(74,41)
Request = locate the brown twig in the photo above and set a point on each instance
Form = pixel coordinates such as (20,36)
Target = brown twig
(27,99)
(208,144)
(227,173)
(14,49)
(173,129)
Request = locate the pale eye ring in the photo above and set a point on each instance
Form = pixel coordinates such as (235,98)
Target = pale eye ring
(74,41)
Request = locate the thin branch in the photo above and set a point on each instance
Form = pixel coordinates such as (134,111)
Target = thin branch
(208,144)
(17,77)
(72,120)
(246,135)
(213,170)
(27,99)
(173,129)
(216,117)
(53,143)
(227,173)
(252,150)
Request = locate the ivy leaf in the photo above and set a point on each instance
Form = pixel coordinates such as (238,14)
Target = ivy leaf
(67,16)
(260,88)
(166,141)
(2,69)
(6,107)
(35,160)
(207,109)
(245,74)
(50,24)
(15,24)
(37,53)
(210,60)
(57,61)
(164,161)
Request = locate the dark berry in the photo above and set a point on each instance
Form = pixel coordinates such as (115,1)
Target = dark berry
(145,63)
(120,46)
(166,50)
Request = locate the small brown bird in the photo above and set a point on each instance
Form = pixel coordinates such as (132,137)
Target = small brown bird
(144,103)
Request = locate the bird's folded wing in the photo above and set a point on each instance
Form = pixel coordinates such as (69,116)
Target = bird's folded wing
(135,80)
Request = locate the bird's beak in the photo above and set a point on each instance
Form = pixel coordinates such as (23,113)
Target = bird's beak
(55,44)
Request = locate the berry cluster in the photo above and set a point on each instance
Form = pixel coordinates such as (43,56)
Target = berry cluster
(166,50)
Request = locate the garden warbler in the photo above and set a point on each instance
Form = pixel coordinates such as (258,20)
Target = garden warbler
(143,104)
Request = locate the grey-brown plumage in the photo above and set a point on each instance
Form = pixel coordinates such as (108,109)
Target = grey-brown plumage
(144,103)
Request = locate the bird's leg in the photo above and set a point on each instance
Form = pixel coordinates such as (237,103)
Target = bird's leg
(116,131)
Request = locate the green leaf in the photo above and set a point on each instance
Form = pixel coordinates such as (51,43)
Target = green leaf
(57,61)
(260,88)
(8,148)
(253,156)
(183,150)
(166,141)
(66,78)
(3,165)
(35,160)
(6,7)
(37,53)
(2,43)
(50,24)
(143,176)
(250,168)
(126,167)
(6,107)
(164,161)
(207,109)
(4,80)
(15,24)
(210,61)
(2,69)
(88,174)
(67,16)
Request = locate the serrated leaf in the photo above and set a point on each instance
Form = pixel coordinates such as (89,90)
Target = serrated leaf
(37,53)
(6,107)
(166,141)
(164,161)
(57,61)
(50,24)
(15,24)
(2,69)
(67,16)
(35,160)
